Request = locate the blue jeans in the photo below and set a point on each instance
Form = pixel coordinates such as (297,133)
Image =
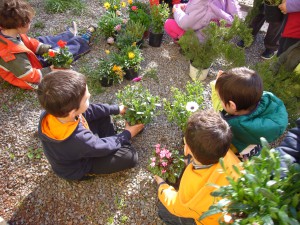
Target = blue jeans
(171,219)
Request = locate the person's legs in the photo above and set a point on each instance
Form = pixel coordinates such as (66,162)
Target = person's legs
(258,21)
(285,43)
(173,30)
(170,219)
(272,36)
(124,158)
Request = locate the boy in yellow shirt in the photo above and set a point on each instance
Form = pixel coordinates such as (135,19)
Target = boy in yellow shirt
(207,138)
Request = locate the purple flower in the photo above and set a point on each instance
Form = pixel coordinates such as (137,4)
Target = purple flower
(137,79)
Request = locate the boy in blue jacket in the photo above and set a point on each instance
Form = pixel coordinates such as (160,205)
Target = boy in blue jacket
(79,138)
(251,112)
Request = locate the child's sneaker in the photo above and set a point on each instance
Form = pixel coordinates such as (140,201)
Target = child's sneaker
(268,54)
(240,44)
(73,29)
(88,34)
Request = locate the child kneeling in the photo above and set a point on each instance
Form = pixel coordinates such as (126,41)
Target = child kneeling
(207,138)
(79,138)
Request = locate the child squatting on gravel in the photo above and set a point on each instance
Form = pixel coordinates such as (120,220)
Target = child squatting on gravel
(207,139)
(78,138)
(21,61)
(251,112)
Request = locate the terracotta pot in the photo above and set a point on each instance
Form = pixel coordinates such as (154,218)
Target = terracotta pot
(272,13)
(195,74)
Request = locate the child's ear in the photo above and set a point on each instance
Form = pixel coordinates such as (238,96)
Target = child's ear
(187,150)
(72,114)
(232,105)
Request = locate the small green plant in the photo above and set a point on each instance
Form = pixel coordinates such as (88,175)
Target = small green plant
(273,2)
(141,105)
(39,25)
(140,13)
(110,69)
(133,33)
(260,195)
(167,164)
(120,202)
(184,103)
(59,6)
(61,58)
(123,219)
(109,24)
(35,153)
(131,57)
(159,14)
(114,5)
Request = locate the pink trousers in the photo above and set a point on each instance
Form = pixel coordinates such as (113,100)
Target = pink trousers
(173,30)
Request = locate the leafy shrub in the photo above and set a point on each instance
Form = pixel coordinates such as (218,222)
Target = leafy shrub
(261,195)
(141,14)
(184,103)
(108,23)
(159,15)
(141,105)
(133,32)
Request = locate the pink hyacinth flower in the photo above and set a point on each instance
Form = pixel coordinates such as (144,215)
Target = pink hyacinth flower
(152,164)
(110,40)
(118,27)
(168,155)
(162,154)
(136,79)
(164,164)
(153,159)
(163,171)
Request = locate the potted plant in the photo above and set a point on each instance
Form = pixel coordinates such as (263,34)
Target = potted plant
(109,24)
(217,44)
(61,58)
(130,59)
(110,71)
(141,104)
(133,32)
(184,103)
(114,6)
(272,12)
(261,195)
(140,12)
(167,164)
(159,14)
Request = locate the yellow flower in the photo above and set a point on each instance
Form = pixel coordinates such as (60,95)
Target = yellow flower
(123,4)
(115,7)
(107,52)
(134,44)
(131,55)
(106,5)
(129,2)
(116,68)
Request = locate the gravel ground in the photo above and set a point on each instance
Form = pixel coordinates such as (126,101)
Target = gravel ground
(32,194)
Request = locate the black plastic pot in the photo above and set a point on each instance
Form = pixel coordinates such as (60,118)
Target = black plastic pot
(140,43)
(130,73)
(106,83)
(273,14)
(155,39)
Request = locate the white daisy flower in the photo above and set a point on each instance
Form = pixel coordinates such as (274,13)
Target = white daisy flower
(192,106)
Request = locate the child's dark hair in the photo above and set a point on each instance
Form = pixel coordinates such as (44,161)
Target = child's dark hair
(15,14)
(61,91)
(208,136)
(241,85)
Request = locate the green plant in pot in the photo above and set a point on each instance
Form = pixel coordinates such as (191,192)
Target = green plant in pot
(261,195)
(141,104)
(130,59)
(110,70)
(140,13)
(133,32)
(108,23)
(159,14)
(183,103)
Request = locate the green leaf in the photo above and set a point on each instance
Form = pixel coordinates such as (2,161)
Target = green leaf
(208,213)
(267,220)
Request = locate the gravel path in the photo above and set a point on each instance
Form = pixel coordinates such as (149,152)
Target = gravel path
(32,194)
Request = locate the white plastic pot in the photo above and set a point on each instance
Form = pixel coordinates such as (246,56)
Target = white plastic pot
(195,74)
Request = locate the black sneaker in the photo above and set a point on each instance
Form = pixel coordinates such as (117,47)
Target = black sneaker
(241,44)
(268,54)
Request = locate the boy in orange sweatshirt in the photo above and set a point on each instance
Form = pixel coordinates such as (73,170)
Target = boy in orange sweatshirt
(207,139)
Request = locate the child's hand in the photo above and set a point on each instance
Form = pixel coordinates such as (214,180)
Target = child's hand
(282,7)
(122,109)
(135,129)
(158,179)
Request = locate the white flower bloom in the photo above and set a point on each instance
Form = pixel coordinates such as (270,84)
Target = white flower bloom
(192,106)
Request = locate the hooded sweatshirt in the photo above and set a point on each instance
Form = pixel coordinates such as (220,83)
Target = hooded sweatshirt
(70,147)
(193,197)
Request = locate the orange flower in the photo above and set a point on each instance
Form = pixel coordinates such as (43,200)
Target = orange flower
(51,53)
(61,43)
(116,68)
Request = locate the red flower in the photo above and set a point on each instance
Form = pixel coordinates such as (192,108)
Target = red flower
(61,43)
(134,8)
(51,53)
